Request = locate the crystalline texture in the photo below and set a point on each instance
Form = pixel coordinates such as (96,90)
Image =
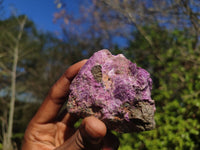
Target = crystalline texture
(116,91)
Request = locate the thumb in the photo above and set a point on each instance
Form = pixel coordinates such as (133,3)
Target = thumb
(88,136)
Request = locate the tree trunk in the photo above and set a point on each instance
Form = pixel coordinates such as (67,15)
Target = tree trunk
(7,143)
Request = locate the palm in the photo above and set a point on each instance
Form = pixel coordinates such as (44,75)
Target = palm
(49,136)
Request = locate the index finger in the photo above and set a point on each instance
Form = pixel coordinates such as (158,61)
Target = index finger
(57,96)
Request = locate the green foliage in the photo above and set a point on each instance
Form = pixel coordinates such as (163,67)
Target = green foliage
(174,66)
(78,123)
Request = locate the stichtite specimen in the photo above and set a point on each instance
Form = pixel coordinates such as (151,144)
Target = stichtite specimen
(116,91)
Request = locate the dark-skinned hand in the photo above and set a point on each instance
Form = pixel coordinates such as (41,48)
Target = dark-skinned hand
(48,131)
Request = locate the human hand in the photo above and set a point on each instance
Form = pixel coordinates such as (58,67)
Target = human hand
(48,131)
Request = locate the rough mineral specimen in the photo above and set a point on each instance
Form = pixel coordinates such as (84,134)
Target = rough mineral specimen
(116,91)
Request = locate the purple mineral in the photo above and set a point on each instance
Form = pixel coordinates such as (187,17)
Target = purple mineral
(116,91)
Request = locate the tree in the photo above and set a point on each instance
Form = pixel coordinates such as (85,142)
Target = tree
(15,47)
(171,14)
(110,19)
(90,25)
(14,50)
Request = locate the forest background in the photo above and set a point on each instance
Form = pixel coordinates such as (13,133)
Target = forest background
(161,36)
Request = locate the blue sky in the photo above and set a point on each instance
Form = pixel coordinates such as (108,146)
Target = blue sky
(40,11)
